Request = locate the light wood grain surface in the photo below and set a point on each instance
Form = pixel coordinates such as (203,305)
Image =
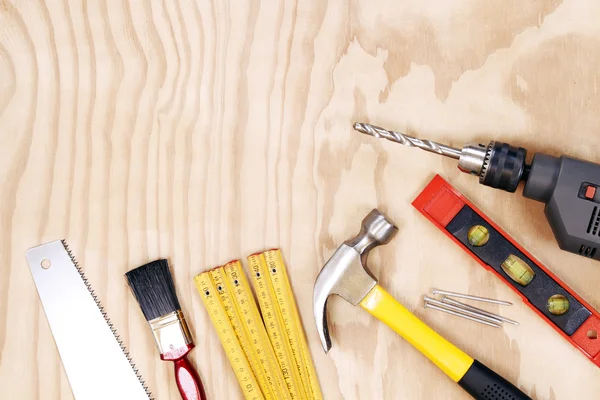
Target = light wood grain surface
(204,131)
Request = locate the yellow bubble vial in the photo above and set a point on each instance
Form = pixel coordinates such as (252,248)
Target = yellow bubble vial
(558,304)
(518,270)
(478,235)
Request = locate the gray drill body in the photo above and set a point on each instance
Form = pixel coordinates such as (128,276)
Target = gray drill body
(560,183)
(569,187)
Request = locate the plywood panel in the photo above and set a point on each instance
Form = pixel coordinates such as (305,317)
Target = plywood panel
(205,131)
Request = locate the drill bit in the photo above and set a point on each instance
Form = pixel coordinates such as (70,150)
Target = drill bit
(407,140)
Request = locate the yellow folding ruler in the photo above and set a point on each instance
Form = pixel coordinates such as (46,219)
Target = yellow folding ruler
(274,325)
(292,323)
(241,367)
(225,294)
(269,354)
(264,363)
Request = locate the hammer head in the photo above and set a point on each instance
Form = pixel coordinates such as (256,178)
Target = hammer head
(346,273)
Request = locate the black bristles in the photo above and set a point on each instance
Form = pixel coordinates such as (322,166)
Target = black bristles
(152,285)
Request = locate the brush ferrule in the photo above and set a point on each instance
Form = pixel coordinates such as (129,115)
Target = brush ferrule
(170,332)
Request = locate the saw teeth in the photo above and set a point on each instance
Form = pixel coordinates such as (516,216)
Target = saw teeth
(107,319)
(486,162)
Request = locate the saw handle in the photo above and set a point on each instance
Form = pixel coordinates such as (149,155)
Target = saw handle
(478,380)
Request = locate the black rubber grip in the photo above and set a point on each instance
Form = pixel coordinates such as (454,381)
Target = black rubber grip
(484,384)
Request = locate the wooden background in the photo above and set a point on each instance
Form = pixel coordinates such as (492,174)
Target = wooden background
(204,131)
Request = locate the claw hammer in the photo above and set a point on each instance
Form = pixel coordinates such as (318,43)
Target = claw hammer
(346,275)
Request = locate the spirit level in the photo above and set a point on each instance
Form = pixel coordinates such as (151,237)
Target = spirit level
(496,251)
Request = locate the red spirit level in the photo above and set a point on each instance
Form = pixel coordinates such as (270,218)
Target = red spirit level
(489,245)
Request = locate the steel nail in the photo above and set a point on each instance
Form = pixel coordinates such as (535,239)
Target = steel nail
(445,310)
(467,307)
(460,310)
(468,296)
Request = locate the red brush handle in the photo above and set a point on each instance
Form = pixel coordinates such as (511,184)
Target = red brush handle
(188,382)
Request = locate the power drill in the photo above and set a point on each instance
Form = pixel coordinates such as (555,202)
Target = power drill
(569,187)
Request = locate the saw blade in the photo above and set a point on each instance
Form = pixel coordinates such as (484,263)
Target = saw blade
(96,363)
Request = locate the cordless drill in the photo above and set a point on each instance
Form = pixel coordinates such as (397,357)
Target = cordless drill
(569,187)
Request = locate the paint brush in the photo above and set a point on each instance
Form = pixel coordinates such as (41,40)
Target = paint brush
(152,285)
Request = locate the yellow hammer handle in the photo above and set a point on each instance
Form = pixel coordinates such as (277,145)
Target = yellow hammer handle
(449,358)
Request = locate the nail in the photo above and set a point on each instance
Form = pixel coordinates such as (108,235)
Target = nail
(468,296)
(444,310)
(463,311)
(467,307)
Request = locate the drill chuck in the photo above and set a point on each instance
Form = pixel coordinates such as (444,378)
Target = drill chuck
(472,158)
(504,166)
(498,165)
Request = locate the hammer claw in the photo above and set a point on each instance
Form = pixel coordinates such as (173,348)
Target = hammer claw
(320,312)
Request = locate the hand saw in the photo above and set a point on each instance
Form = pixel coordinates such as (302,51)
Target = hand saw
(97,365)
